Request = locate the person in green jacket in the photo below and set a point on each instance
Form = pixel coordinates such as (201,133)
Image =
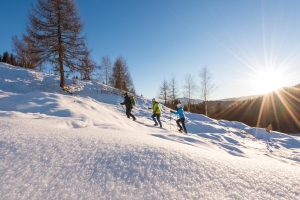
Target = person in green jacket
(156,112)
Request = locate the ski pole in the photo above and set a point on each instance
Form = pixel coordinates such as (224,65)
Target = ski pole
(170,121)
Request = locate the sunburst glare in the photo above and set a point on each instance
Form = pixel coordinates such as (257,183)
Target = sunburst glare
(268,80)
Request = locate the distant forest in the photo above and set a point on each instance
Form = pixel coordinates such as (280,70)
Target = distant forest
(280,108)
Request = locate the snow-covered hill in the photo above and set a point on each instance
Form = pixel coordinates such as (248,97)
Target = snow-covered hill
(54,145)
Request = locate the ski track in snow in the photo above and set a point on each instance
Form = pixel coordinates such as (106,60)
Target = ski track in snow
(59,146)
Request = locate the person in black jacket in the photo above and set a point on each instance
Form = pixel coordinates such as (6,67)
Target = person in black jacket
(128,106)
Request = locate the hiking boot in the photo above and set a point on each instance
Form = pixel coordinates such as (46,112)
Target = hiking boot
(134,119)
(155,124)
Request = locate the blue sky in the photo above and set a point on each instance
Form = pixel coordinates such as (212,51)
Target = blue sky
(249,46)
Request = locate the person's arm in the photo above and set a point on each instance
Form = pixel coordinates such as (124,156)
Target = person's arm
(174,112)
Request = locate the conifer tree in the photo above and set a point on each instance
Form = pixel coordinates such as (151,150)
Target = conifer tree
(56,28)
(5,57)
(120,77)
(12,60)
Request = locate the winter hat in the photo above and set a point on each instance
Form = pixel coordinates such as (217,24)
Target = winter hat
(178,105)
(153,99)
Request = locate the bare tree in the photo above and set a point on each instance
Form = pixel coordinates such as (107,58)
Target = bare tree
(163,91)
(120,77)
(25,55)
(189,89)
(173,89)
(87,67)
(106,68)
(55,27)
(206,86)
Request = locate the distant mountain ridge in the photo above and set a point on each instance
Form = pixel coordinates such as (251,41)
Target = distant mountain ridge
(241,98)
(184,100)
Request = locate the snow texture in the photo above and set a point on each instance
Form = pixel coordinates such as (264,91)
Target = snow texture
(56,145)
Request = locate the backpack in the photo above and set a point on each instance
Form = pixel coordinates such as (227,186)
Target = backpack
(132,100)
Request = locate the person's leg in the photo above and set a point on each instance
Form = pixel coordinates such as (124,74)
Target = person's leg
(183,124)
(177,121)
(133,117)
(128,112)
(158,119)
(153,117)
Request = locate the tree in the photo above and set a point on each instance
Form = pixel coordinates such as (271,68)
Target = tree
(189,89)
(55,27)
(206,86)
(87,67)
(12,59)
(173,89)
(163,91)
(106,68)
(25,56)
(5,57)
(120,77)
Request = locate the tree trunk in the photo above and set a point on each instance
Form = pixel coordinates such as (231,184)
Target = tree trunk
(60,51)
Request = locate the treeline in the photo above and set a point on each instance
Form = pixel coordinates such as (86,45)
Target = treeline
(169,92)
(280,109)
(214,107)
(54,36)
(8,58)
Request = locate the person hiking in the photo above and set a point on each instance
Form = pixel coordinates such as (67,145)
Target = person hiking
(181,119)
(127,103)
(156,112)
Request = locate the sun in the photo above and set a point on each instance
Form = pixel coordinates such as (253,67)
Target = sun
(268,80)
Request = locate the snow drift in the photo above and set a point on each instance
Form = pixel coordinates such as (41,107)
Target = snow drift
(54,145)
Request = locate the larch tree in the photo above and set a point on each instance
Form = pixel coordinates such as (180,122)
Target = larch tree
(56,29)
(120,77)
(206,86)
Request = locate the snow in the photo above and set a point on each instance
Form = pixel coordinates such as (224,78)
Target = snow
(56,145)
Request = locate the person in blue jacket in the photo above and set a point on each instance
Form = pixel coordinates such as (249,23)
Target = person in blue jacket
(181,119)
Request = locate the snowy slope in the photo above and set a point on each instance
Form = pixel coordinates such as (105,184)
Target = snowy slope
(54,145)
